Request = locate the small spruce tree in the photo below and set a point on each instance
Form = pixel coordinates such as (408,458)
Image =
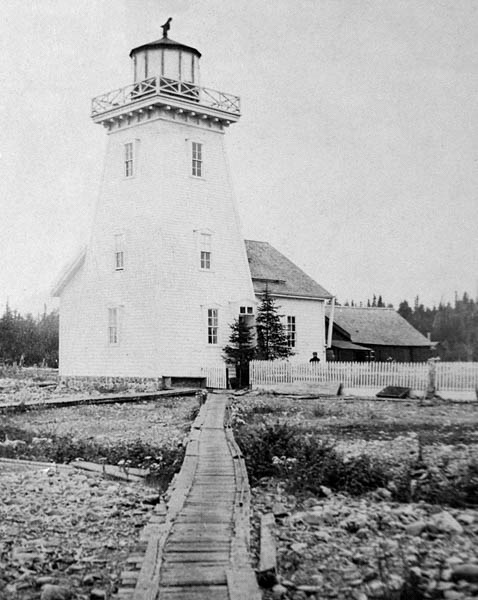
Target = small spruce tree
(271,336)
(240,350)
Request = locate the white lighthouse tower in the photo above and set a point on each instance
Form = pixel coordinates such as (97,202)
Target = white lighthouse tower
(165,271)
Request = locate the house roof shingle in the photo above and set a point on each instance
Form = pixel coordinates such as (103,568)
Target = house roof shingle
(282,277)
(377,326)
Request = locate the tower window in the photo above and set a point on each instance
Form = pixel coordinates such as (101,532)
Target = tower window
(291,332)
(205,251)
(113,337)
(197,157)
(119,252)
(129,159)
(212,325)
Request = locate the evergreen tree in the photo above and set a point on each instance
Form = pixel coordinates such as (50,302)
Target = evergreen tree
(240,350)
(271,336)
(28,341)
(455,327)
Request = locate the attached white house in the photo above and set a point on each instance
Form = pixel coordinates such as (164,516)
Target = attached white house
(301,300)
(166,270)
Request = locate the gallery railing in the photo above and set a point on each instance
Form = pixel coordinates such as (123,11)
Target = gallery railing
(163,86)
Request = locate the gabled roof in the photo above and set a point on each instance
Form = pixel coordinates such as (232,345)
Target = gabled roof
(68,273)
(377,326)
(281,276)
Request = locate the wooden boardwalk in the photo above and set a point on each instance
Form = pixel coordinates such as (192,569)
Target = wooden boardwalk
(116,398)
(196,546)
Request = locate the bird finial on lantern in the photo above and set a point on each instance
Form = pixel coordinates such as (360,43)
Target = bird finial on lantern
(166,27)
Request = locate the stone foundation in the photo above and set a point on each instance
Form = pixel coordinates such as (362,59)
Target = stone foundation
(110,385)
(113,385)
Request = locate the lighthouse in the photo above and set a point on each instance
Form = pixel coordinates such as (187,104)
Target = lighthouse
(165,271)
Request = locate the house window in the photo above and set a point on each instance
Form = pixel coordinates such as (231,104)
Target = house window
(197,159)
(129,159)
(205,251)
(113,326)
(212,325)
(119,252)
(291,332)
(246,315)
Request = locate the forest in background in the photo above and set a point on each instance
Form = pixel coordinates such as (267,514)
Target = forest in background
(453,326)
(28,340)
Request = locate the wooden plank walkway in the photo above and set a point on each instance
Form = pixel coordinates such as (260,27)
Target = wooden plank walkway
(117,398)
(197,545)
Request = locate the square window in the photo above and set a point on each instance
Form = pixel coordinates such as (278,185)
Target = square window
(197,159)
(212,325)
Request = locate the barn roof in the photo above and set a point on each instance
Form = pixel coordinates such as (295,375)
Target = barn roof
(281,276)
(377,326)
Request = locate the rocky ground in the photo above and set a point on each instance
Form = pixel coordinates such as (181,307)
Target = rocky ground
(358,548)
(338,546)
(153,421)
(75,531)
(64,534)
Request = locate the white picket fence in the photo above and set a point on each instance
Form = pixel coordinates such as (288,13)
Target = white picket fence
(449,376)
(215,376)
(457,376)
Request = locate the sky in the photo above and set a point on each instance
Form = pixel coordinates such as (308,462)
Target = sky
(356,154)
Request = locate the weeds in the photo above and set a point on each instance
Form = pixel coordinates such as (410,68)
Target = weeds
(305,461)
(162,461)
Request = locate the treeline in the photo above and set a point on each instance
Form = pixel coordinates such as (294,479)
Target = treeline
(454,326)
(376,302)
(26,340)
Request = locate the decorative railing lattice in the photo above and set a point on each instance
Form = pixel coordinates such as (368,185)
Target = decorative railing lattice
(163,86)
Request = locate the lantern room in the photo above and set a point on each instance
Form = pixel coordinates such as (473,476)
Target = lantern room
(166,58)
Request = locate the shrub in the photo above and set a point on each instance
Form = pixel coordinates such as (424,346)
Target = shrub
(260,444)
(305,461)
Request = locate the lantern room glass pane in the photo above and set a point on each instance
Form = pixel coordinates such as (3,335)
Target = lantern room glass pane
(187,67)
(140,66)
(154,63)
(171,64)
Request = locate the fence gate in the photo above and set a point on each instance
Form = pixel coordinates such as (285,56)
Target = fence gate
(215,376)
